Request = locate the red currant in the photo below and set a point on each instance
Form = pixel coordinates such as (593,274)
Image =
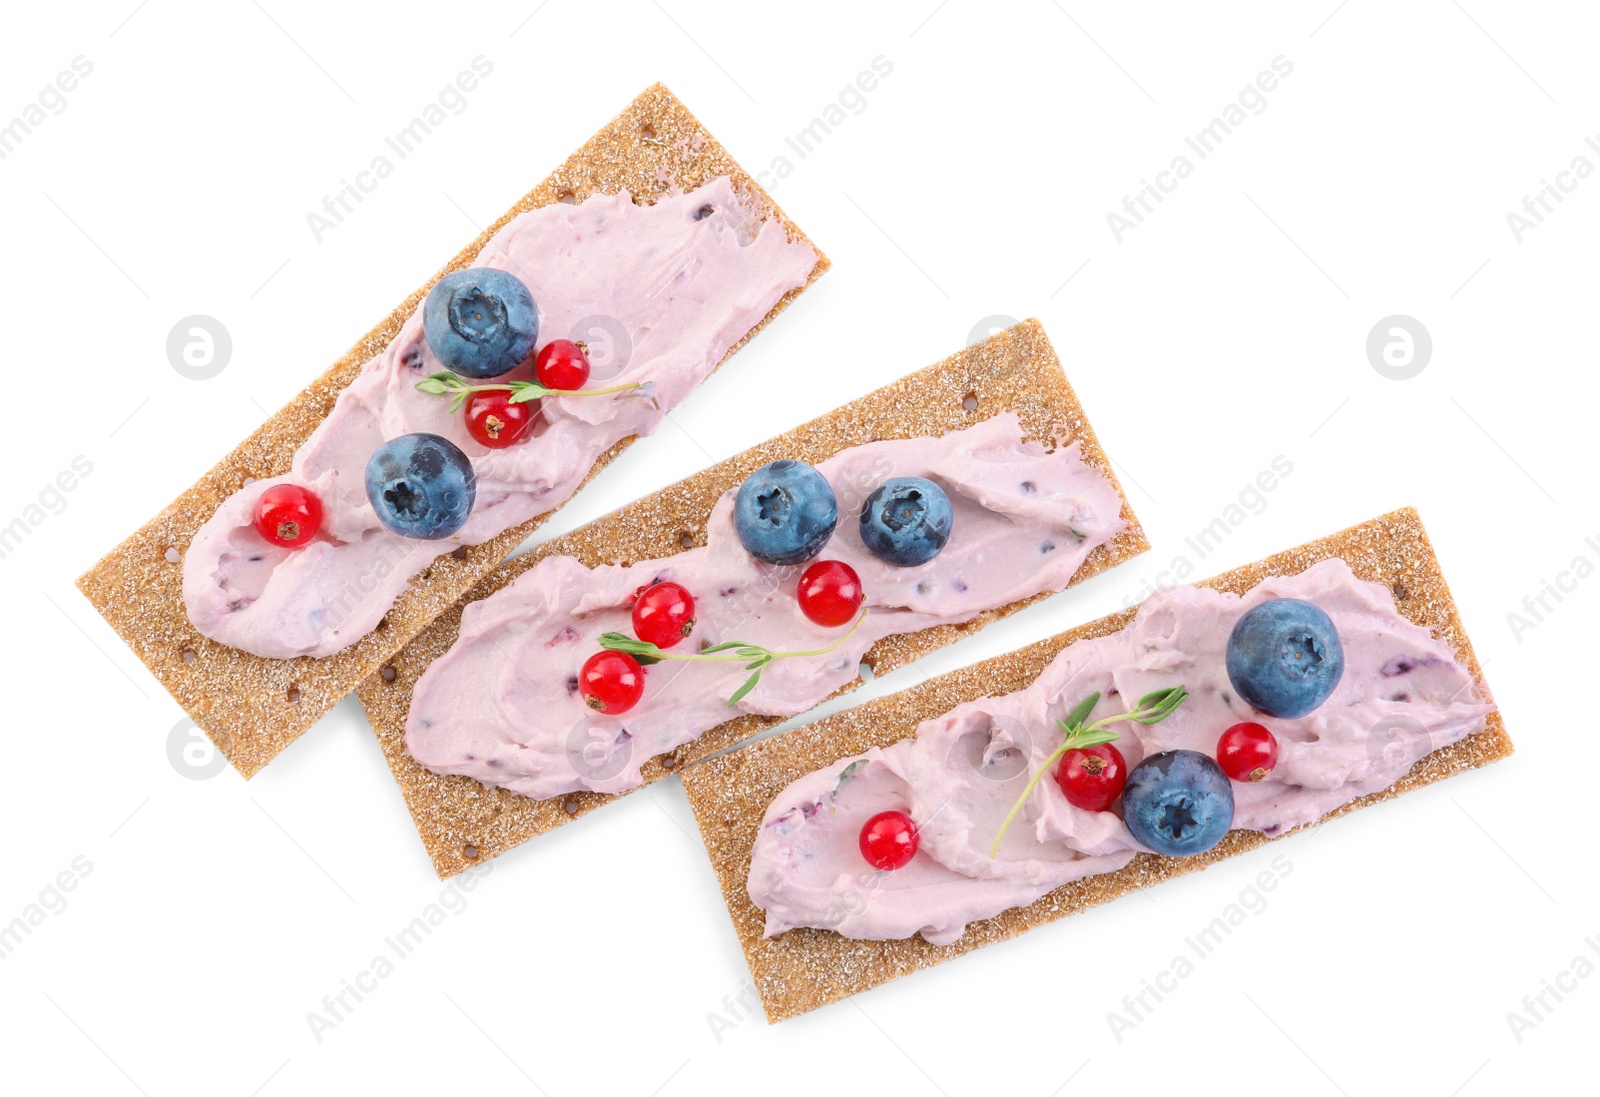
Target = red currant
(830,593)
(611,682)
(1091,778)
(494,421)
(288,515)
(561,364)
(889,840)
(1247,752)
(663,614)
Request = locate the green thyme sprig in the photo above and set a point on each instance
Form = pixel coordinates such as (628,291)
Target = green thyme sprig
(1151,709)
(754,656)
(446,383)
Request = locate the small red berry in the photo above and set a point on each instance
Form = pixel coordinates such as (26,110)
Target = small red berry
(830,593)
(288,515)
(1247,752)
(611,682)
(494,421)
(889,840)
(1091,778)
(663,614)
(561,364)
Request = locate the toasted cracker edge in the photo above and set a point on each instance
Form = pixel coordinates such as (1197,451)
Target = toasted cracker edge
(462,822)
(253,707)
(806,968)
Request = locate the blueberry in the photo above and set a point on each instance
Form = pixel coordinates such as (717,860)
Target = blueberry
(1284,657)
(421,485)
(906,521)
(480,322)
(785,512)
(1178,803)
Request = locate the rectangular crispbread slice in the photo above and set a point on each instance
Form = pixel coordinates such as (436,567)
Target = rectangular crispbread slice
(253,707)
(806,968)
(463,822)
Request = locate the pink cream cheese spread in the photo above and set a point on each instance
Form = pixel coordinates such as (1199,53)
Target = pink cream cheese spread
(1402,695)
(502,705)
(676,284)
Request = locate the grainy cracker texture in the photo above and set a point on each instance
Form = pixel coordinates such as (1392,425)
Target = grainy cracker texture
(253,707)
(462,821)
(806,968)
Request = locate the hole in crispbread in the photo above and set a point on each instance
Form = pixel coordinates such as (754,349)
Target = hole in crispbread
(566,197)
(687,540)
(173,556)
(970,401)
(293,695)
(570,807)
(1400,592)
(469,851)
(647,131)
(388,673)
(668,761)
(188,655)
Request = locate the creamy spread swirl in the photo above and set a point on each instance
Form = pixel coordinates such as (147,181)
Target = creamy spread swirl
(1403,694)
(502,705)
(677,282)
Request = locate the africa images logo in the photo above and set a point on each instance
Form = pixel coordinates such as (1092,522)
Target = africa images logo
(50,101)
(451,100)
(1250,101)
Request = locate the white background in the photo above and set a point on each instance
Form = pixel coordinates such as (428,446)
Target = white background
(1227,329)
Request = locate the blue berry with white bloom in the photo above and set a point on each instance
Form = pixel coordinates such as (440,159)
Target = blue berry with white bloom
(480,322)
(421,485)
(785,512)
(906,521)
(1178,803)
(1284,657)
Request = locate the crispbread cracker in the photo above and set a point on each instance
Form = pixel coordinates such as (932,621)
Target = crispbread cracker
(254,707)
(806,968)
(462,821)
